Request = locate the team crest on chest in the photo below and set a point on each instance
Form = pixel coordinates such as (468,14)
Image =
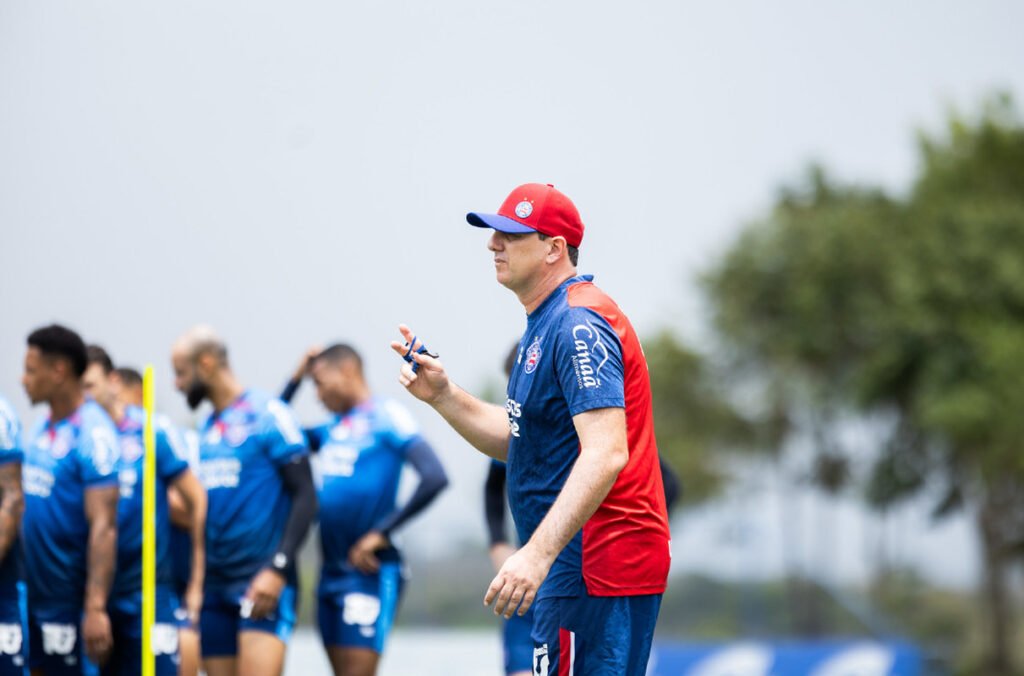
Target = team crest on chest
(532,356)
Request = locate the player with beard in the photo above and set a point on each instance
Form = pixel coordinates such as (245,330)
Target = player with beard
(254,464)
(70,524)
(172,473)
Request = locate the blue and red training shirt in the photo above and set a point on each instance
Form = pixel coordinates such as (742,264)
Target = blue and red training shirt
(580,353)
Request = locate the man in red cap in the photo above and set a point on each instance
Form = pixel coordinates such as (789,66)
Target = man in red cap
(577,434)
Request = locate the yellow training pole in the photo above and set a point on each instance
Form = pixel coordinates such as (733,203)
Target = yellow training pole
(148,528)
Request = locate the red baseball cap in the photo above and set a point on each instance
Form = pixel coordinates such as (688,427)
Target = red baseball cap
(535,207)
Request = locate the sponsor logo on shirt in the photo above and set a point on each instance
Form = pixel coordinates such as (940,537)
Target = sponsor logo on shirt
(131,449)
(533,354)
(338,459)
(37,481)
(515,411)
(590,355)
(220,472)
(127,478)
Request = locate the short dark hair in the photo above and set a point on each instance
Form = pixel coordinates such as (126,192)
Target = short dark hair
(97,355)
(339,352)
(574,252)
(59,341)
(129,376)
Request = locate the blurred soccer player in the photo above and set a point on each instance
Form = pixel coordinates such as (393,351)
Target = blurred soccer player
(127,383)
(70,524)
(361,452)
(255,467)
(12,506)
(125,605)
(578,434)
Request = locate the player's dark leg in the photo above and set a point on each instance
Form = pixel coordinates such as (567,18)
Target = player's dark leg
(188,646)
(220,666)
(353,661)
(260,653)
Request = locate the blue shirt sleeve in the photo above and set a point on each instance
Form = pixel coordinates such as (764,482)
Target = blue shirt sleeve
(282,436)
(10,433)
(98,456)
(588,362)
(399,428)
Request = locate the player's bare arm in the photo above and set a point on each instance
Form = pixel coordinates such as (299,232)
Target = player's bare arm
(604,452)
(101,513)
(12,505)
(192,495)
(483,425)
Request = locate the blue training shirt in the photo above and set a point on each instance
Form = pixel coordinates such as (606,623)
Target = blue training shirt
(241,450)
(64,459)
(10,451)
(169,464)
(360,465)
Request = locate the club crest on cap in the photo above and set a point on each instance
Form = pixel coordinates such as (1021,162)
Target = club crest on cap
(524,209)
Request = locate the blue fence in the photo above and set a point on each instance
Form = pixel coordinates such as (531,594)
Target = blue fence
(787,658)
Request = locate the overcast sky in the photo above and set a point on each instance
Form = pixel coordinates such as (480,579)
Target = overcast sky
(299,172)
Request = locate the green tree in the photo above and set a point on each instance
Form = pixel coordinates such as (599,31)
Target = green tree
(910,310)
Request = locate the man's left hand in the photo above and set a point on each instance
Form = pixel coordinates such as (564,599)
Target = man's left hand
(363,554)
(263,593)
(516,584)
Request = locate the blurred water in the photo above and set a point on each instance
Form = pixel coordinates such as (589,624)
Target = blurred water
(410,652)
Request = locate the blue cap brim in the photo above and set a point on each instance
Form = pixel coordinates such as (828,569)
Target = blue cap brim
(500,223)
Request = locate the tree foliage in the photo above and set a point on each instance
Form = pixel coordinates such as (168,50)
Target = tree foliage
(907,306)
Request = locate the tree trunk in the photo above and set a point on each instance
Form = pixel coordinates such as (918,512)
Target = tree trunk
(996,589)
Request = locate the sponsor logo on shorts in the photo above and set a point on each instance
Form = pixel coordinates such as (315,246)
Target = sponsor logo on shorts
(591,354)
(541,661)
(10,639)
(362,610)
(58,639)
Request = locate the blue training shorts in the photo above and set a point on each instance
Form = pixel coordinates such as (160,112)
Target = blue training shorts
(13,631)
(594,635)
(126,624)
(221,619)
(357,610)
(55,644)
(518,643)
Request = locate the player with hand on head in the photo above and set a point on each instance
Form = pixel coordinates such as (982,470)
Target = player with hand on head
(361,451)
(577,433)
(12,506)
(172,472)
(254,464)
(70,524)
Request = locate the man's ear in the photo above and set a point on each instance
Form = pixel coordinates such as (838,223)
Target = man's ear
(558,248)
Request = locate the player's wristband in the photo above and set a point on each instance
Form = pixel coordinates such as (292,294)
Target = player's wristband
(279,564)
(422,350)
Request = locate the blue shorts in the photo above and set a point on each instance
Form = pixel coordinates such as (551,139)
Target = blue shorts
(126,624)
(358,610)
(594,635)
(221,619)
(54,642)
(518,643)
(13,631)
